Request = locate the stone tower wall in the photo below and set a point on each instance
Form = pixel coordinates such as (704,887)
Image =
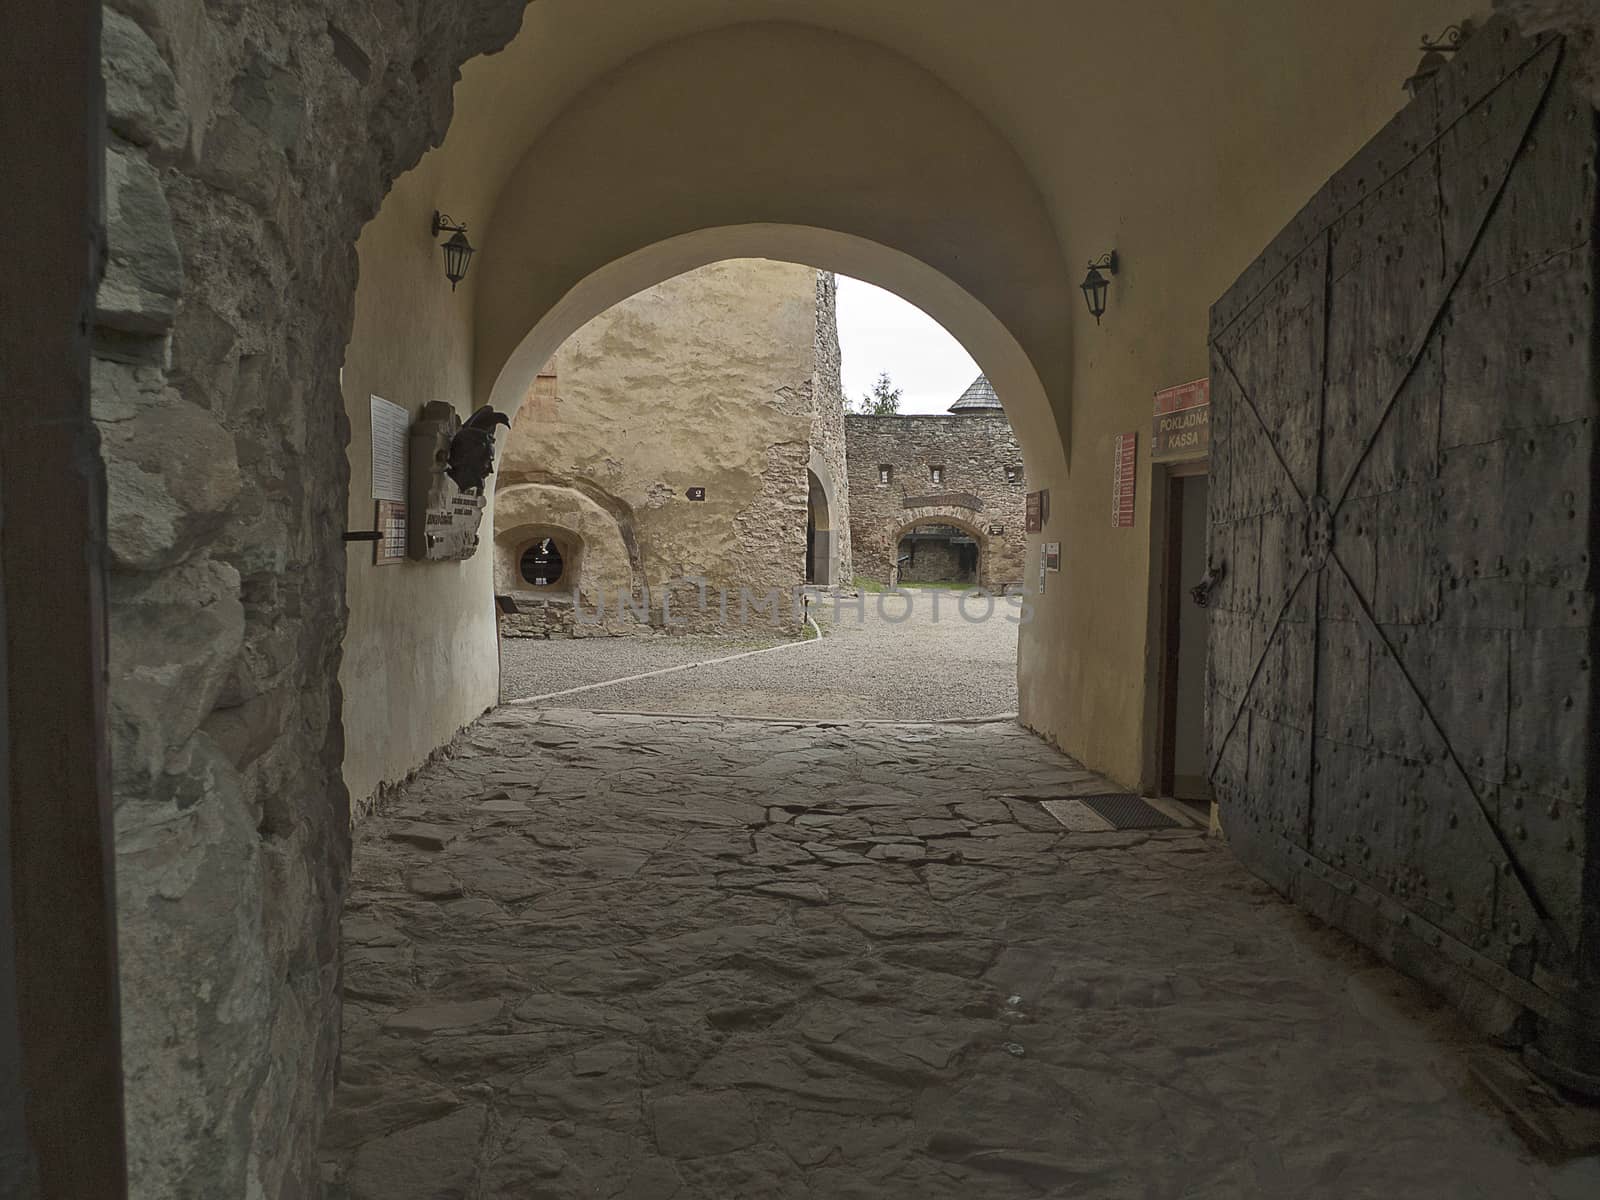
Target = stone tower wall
(724,378)
(828,441)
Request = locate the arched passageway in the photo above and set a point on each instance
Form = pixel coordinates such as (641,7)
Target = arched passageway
(263,669)
(929,551)
(822,561)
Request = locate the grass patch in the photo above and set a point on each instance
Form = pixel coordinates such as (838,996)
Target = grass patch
(863,584)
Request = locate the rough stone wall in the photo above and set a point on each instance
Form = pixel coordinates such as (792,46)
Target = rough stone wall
(705,380)
(974,452)
(934,561)
(247,145)
(827,424)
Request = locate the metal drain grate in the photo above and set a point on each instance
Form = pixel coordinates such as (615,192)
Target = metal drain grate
(1127,811)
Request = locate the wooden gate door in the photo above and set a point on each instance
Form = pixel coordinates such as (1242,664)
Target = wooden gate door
(1400,694)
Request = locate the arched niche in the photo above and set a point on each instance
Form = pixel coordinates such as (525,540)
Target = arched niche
(597,557)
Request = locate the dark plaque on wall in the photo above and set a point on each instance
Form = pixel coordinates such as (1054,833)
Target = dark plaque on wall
(443,519)
(696,493)
(1038,511)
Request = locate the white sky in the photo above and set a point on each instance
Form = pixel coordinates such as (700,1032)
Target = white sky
(879,332)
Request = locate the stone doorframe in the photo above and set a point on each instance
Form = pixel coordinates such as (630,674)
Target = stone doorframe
(61,1123)
(960,518)
(824,521)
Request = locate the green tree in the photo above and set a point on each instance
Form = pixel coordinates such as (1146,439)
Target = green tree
(882,401)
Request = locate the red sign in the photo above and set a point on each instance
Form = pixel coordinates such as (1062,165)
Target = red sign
(1124,450)
(1181,427)
(1183,397)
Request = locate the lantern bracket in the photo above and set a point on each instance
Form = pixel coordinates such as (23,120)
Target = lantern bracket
(1106,262)
(443,224)
(1450,40)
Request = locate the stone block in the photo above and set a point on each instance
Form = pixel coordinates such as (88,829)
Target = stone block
(173,647)
(144,269)
(434,1161)
(702,1123)
(143,101)
(172,473)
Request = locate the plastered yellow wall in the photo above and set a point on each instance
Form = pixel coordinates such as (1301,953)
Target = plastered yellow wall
(1192,180)
(970,156)
(419,652)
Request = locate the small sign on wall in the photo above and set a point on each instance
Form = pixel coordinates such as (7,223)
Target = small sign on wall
(1052,556)
(1181,427)
(696,493)
(1038,510)
(390,426)
(390,548)
(1124,454)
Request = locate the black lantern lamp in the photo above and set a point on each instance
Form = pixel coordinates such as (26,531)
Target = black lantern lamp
(1435,55)
(458,251)
(1095,285)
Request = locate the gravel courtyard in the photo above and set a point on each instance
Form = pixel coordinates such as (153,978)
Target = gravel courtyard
(596,956)
(928,663)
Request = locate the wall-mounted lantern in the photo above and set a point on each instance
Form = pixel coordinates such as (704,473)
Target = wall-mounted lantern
(1435,53)
(458,251)
(1095,285)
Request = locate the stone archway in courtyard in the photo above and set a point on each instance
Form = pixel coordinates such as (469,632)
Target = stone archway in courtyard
(822,550)
(946,517)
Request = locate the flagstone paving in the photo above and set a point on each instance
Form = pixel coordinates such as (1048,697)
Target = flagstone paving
(627,957)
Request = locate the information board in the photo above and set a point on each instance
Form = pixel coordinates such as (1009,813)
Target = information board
(1124,453)
(391,426)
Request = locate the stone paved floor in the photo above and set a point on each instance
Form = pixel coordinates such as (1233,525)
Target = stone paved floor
(915,660)
(647,958)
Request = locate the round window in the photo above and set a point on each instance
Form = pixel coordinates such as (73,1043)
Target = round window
(542,565)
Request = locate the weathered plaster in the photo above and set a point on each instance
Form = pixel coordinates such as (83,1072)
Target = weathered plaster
(525,511)
(704,380)
(414,668)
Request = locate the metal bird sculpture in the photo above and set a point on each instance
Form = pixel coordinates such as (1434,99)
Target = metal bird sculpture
(472,449)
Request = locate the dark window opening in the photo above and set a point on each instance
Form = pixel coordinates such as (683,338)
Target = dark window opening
(542,564)
(1013,474)
(936,474)
(885,473)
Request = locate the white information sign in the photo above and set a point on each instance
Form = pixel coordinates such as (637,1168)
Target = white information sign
(391,425)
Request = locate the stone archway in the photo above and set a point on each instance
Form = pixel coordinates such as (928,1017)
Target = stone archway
(953,517)
(822,525)
(251,148)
